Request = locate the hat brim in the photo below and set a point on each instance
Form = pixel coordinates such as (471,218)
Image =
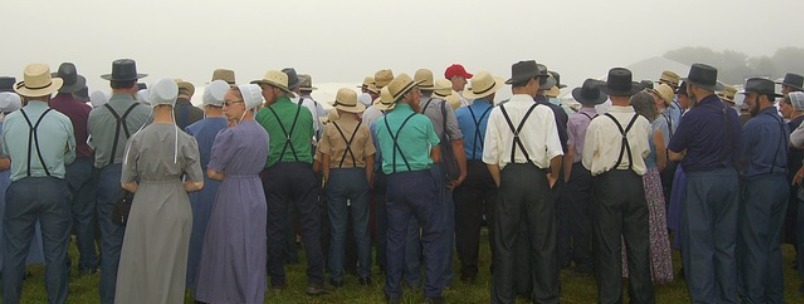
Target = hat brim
(379,105)
(308,88)
(55,85)
(791,85)
(80,83)
(296,84)
(498,84)
(273,84)
(111,78)
(406,89)
(519,78)
(608,91)
(709,87)
(548,84)
(576,94)
(357,108)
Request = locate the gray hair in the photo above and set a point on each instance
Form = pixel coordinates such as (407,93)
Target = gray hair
(645,105)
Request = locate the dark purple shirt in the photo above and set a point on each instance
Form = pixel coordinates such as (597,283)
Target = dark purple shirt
(711,142)
(561,119)
(78,112)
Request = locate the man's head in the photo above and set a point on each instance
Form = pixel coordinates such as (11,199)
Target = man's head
(403,89)
(620,86)
(366,83)
(274,85)
(37,83)
(526,77)
(792,83)
(382,78)
(683,97)
(727,94)
(484,86)
(759,94)
(73,82)
(124,76)
(458,75)
(306,87)
(186,89)
(425,79)
(701,82)
(663,95)
(670,78)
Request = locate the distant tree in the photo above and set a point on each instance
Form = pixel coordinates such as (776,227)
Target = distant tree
(763,66)
(789,60)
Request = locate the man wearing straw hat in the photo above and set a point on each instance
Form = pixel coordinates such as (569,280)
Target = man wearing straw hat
(477,195)
(347,155)
(224,74)
(186,113)
(109,128)
(409,146)
(381,79)
(41,143)
(289,181)
(674,109)
(523,152)
(366,91)
(80,176)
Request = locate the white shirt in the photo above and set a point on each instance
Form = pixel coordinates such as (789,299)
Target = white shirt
(370,115)
(539,135)
(604,141)
(310,105)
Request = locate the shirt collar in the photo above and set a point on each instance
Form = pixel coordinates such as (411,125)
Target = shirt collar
(403,107)
(122,96)
(521,98)
(621,109)
(587,110)
(481,101)
(36,104)
(770,110)
(282,99)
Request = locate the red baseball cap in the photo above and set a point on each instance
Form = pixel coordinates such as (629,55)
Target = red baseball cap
(457,70)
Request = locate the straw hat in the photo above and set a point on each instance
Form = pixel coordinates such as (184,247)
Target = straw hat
(214,93)
(276,79)
(252,94)
(385,101)
(425,77)
(483,84)
(38,82)
(306,83)
(382,78)
(9,102)
(442,88)
(727,93)
(186,86)
(670,78)
(366,82)
(346,100)
(223,74)
(665,92)
(163,92)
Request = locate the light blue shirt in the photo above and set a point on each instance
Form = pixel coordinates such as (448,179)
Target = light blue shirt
(55,136)
(472,121)
(674,111)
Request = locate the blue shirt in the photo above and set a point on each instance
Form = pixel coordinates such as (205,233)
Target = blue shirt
(561,119)
(473,120)
(414,140)
(703,132)
(673,113)
(764,144)
(56,142)
(204,132)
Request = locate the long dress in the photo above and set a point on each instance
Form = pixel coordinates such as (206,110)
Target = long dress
(153,260)
(232,268)
(201,202)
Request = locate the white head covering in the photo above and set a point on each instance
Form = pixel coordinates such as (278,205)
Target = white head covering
(143,97)
(252,95)
(214,93)
(797,100)
(9,102)
(100,98)
(163,92)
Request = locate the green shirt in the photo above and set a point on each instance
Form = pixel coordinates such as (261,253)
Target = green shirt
(294,146)
(414,141)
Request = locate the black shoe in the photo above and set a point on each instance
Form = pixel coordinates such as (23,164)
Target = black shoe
(435,300)
(365,281)
(317,289)
(336,284)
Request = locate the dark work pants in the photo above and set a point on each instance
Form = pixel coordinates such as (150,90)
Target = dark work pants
(82,184)
(762,210)
(476,196)
(381,218)
(287,185)
(578,194)
(620,211)
(111,233)
(525,199)
(414,194)
(709,236)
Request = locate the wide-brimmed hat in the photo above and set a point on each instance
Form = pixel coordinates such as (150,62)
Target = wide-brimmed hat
(619,83)
(385,101)
(72,81)
(442,88)
(646,84)
(760,86)
(186,86)
(795,81)
(401,85)
(123,70)
(37,81)
(727,93)
(797,100)
(483,84)
(457,70)
(276,79)
(670,78)
(293,79)
(346,100)
(82,94)
(252,94)
(557,76)
(547,82)
(665,92)
(9,102)
(525,70)
(589,93)
(214,93)
(7,84)
(366,82)
(425,78)
(163,92)
(223,74)
(382,78)
(682,89)
(306,83)
(704,76)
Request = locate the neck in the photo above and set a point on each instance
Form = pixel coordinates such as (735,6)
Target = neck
(163,115)
(620,101)
(213,111)
(522,91)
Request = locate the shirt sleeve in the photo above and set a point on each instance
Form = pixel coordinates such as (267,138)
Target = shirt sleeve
(554,145)
(432,137)
(192,163)
(453,129)
(130,161)
(3,146)
(491,140)
(222,151)
(570,132)
(684,132)
(323,144)
(590,145)
(749,137)
(368,148)
(69,153)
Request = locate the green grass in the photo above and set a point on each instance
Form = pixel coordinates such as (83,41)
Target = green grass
(575,288)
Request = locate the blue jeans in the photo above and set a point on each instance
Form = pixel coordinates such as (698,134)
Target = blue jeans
(82,184)
(29,199)
(414,194)
(709,236)
(348,184)
(111,234)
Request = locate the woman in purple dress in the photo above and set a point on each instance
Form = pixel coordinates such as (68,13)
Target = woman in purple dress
(233,256)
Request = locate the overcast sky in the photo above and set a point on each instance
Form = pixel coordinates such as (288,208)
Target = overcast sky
(345,40)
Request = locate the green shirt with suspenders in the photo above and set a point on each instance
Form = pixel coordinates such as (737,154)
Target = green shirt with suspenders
(290,130)
(405,139)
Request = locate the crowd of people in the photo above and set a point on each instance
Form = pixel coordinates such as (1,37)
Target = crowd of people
(214,199)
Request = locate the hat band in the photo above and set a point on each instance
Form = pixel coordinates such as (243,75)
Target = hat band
(590,95)
(345,105)
(493,84)
(23,84)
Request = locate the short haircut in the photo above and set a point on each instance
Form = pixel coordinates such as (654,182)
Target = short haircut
(124,84)
(522,83)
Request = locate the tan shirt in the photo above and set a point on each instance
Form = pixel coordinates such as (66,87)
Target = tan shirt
(603,142)
(333,144)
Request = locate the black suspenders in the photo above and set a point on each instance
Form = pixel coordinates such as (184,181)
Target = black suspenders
(784,142)
(395,138)
(33,138)
(587,115)
(287,134)
(348,144)
(517,140)
(121,121)
(624,145)
(478,136)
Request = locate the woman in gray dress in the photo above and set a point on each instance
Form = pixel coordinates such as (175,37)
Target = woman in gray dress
(233,257)
(161,166)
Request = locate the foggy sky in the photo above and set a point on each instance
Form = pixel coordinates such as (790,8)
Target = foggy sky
(345,40)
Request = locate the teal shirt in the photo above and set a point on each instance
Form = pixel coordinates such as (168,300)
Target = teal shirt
(415,140)
(56,142)
(301,138)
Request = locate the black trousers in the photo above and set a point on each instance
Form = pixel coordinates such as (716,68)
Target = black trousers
(473,199)
(621,211)
(578,198)
(525,200)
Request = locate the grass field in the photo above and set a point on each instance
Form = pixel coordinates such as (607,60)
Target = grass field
(575,288)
